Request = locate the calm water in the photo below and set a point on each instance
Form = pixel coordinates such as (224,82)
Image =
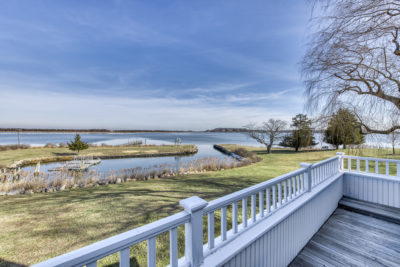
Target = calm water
(203,140)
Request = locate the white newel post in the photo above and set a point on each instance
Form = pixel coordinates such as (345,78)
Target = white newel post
(340,154)
(194,229)
(308,167)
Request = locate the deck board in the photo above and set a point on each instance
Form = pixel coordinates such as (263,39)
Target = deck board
(376,210)
(352,239)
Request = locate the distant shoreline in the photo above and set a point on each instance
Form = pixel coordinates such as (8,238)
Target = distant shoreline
(216,130)
(87,130)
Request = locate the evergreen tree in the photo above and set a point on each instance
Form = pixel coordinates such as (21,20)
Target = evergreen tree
(77,144)
(301,135)
(344,129)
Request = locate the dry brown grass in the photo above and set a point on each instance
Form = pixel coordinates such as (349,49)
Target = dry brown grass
(15,182)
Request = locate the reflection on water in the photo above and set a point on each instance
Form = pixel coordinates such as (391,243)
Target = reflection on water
(203,140)
(204,151)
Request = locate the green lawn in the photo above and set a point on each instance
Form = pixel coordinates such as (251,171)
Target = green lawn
(41,226)
(46,154)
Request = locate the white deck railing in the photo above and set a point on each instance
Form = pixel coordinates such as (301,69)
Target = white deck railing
(272,200)
(324,169)
(121,243)
(272,195)
(372,179)
(371,165)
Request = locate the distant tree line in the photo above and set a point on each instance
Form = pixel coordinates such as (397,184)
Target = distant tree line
(86,130)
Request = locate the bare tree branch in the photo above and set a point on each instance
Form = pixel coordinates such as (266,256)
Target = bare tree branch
(267,133)
(347,63)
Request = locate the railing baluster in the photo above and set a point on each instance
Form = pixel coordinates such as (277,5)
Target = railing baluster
(321,173)
(279,194)
(290,188)
(366,166)
(235,217)
(253,208)
(302,182)
(376,166)
(124,257)
(223,223)
(151,252)
(387,167)
(274,197)
(349,164)
(398,169)
(173,247)
(268,193)
(285,197)
(261,202)
(210,229)
(297,185)
(244,211)
(358,164)
(329,168)
(92,264)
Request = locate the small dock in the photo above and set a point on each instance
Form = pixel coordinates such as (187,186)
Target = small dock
(226,152)
(77,164)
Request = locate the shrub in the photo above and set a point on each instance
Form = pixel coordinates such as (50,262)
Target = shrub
(50,145)
(63,145)
(13,147)
(249,155)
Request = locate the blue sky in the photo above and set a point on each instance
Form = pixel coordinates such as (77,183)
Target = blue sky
(150,64)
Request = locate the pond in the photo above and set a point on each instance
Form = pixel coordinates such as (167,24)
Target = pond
(203,140)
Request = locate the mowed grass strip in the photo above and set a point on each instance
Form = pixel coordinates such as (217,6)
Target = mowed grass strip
(47,154)
(37,227)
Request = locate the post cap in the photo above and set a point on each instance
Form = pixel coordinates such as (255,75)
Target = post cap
(193,204)
(305,165)
(340,153)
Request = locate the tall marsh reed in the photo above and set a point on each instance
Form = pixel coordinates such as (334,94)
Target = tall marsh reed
(14,182)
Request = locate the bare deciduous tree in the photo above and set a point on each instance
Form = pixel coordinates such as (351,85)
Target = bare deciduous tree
(353,62)
(267,133)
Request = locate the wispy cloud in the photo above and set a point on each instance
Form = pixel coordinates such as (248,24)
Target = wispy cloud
(221,88)
(127,64)
(36,109)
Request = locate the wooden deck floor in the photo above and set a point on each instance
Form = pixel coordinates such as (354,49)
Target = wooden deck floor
(352,239)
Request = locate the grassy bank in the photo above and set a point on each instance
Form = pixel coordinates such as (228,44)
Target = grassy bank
(41,226)
(33,155)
